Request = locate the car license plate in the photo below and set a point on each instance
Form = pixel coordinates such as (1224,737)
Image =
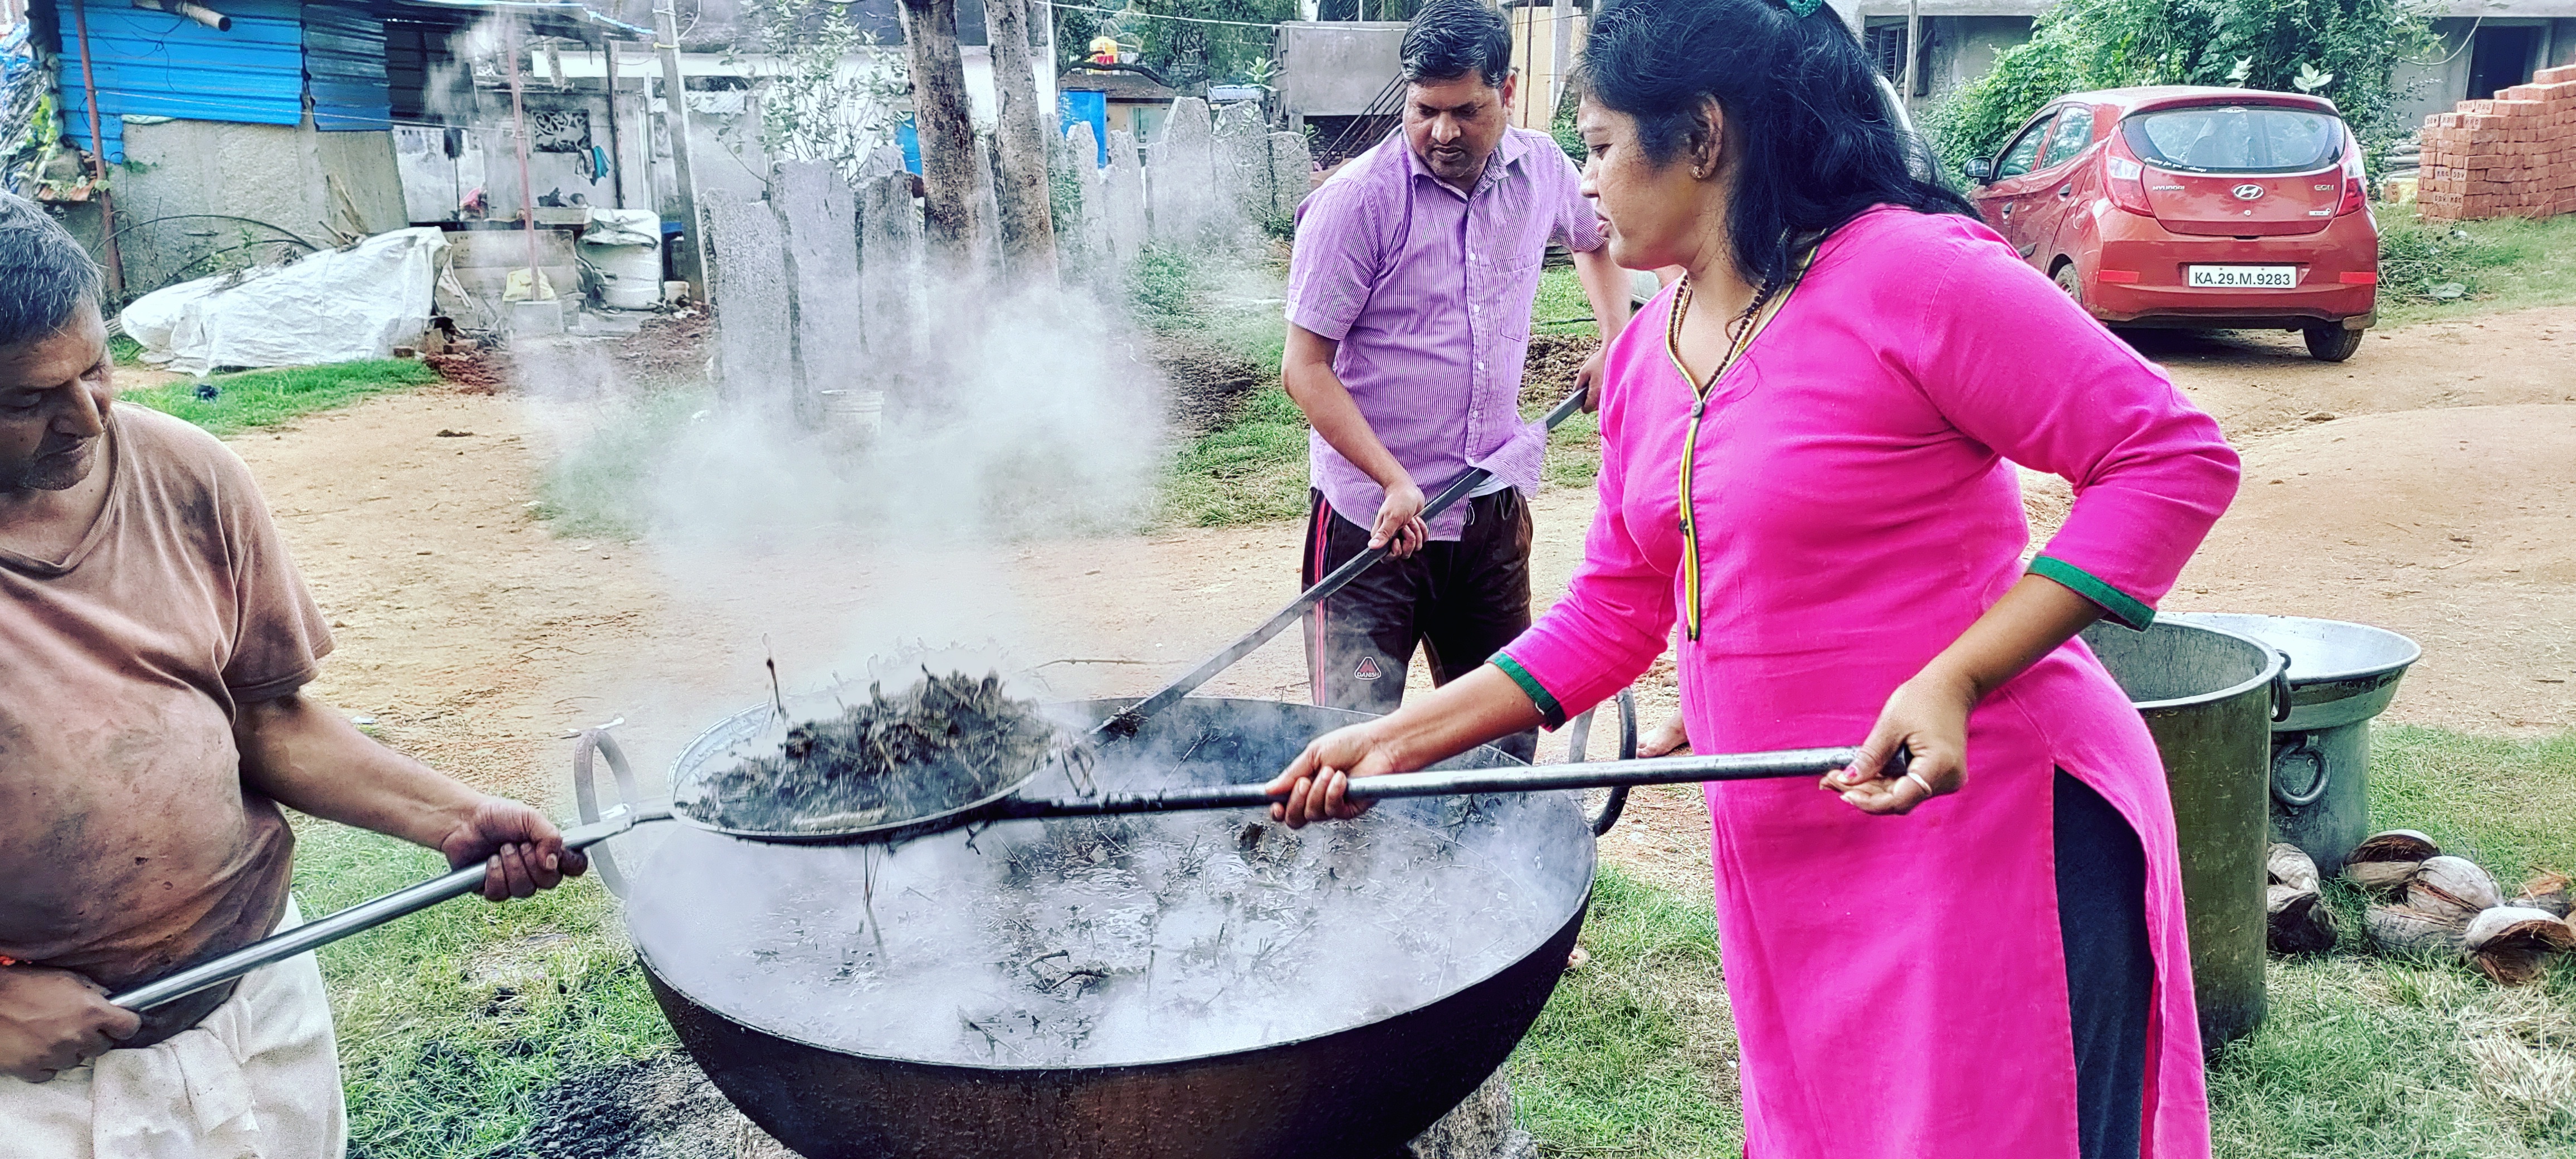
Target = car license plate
(2245,277)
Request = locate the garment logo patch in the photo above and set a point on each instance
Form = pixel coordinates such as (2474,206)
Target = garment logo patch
(1367,669)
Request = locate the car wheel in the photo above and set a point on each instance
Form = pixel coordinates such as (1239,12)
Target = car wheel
(2070,280)
(2331,342)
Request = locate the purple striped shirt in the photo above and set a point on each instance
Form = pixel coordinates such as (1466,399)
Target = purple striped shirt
(1429,292)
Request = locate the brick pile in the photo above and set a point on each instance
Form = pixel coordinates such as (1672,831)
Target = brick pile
(2513,156)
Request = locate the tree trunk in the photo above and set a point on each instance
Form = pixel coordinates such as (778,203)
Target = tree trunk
(1020,188)
(947,129)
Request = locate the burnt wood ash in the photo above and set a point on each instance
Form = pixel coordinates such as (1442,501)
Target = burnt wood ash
(943,743)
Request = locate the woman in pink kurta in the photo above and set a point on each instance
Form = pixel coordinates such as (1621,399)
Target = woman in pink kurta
(1807,471)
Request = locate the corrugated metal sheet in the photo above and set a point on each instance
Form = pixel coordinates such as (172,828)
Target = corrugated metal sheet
(160,65)
(344,67)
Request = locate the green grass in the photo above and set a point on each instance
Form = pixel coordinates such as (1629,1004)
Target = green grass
(1250,471)
(1561,307)
(124,350)
(1253,469)
(264,398)
(452,1021)
(603,485)
(1630,1056)
(2508,804)
(2495,265)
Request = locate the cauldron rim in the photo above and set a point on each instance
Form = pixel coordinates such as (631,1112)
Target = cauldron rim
(1573,912)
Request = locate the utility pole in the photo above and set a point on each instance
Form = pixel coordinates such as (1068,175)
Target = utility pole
(1022,192)
(1913,50)
(616,143)
(675,121)
(947,130)
(519,129)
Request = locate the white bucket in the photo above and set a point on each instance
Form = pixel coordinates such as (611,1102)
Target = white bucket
(858,411)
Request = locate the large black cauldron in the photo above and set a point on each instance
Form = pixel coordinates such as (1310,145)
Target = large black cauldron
(1357,1093)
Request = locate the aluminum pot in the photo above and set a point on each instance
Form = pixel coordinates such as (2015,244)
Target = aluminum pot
(1356,1093)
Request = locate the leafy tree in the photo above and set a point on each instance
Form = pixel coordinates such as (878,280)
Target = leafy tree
(2345,50)
(826,90)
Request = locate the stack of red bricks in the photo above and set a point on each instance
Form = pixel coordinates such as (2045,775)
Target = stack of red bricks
(2514,156)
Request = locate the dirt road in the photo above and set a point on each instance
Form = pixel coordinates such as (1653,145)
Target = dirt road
(2425,486)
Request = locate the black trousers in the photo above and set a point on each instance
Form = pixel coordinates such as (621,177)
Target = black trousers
(2110,968)
(1460,601)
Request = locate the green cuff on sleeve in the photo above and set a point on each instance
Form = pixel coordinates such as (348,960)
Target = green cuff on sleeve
(2123,608)
(1548,708)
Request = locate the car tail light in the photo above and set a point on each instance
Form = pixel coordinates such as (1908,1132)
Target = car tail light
(2125,178)
(2353,196)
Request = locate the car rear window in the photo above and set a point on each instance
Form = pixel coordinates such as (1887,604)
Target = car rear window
(2236,139)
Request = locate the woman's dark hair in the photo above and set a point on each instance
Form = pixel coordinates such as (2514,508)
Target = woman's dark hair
(1815,144)
(1451,38)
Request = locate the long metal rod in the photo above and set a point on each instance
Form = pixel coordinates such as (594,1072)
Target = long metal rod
(1126,723)
(519,130)
(1535,778)
(356,919)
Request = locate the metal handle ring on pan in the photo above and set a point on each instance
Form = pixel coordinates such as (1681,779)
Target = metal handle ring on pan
(2316,789)
(1580,735)
(593,743)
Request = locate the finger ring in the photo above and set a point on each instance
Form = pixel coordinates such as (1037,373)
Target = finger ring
(1925,785)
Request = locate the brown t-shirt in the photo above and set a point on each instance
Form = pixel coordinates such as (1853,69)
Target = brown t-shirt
(129,845)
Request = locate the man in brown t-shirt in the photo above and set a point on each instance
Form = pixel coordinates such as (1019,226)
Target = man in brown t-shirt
(154,639)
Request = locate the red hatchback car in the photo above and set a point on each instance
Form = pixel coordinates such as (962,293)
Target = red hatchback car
(2202,208)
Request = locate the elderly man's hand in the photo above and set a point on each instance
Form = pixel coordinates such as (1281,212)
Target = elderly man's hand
(520,848)
(54,1020)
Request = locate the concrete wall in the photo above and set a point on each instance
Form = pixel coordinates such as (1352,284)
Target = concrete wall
(1335,69)
(1963,48)
(273,173)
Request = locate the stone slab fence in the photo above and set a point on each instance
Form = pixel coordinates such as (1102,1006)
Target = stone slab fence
(821,295)
(2513,156)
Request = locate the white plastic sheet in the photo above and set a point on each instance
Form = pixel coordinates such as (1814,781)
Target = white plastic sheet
(331,306)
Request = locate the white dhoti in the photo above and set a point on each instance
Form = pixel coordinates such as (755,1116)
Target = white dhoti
(259,1078)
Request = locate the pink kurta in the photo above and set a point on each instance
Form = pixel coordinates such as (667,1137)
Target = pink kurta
(1898,982)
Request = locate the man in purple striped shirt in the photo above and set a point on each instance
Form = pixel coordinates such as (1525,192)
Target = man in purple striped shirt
(1409,301)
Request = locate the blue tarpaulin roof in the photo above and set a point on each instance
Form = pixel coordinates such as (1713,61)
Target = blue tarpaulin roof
(162,65)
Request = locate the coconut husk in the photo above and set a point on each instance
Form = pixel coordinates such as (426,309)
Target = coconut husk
(2289,865)
(2453,885)
(2297,921)
(2547,892)
(2512,944)
(2394,845)
(2384,862)
(2404,929)
(2381,877)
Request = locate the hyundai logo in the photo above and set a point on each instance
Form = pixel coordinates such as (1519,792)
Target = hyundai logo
(2248,192)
